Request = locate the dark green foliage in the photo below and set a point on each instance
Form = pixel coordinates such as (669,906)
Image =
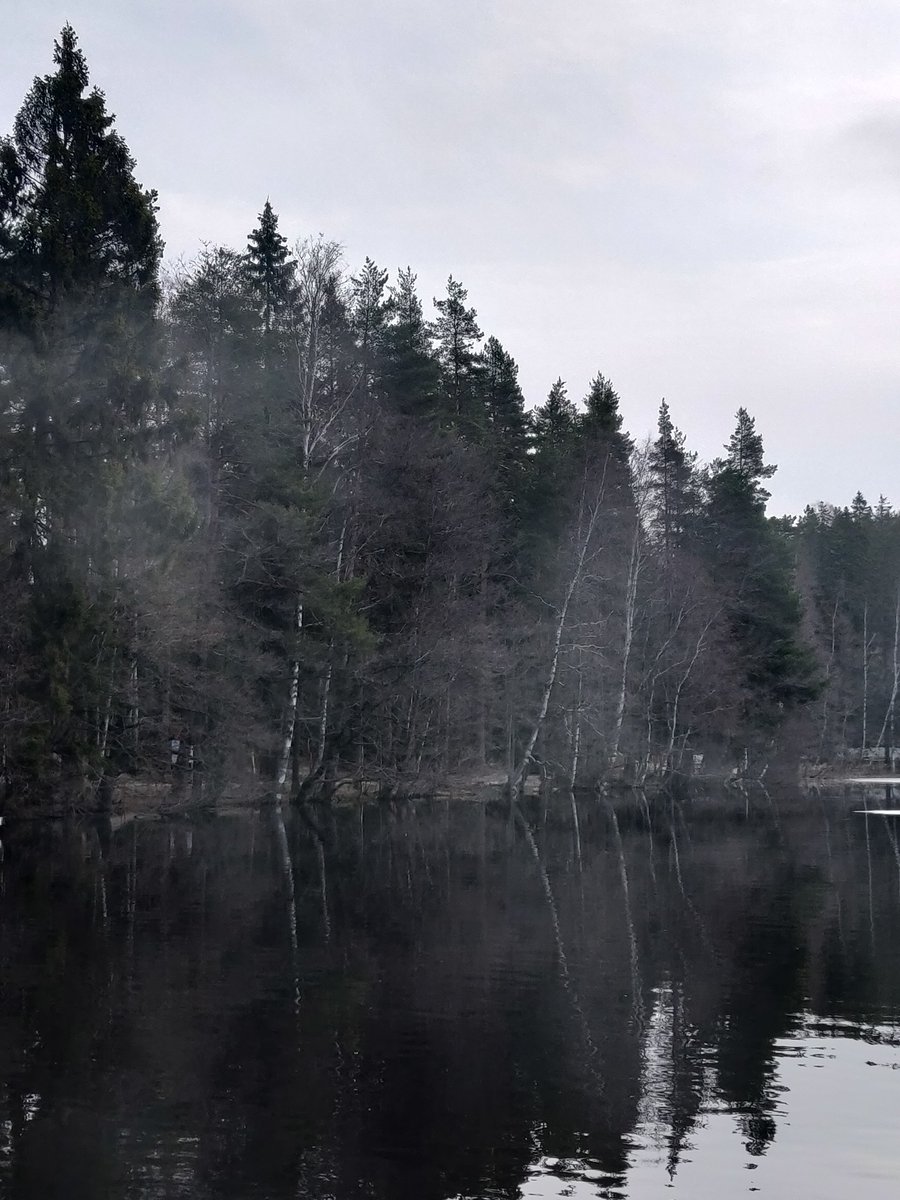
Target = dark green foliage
(507,430)
(554,426)
(279,511)
(369,309)
(456,334)
(751,562)
(745,455)
(673,486)
(554,422)
(72,215)
(410,372)
(269,268)
(84,386)
(601,422)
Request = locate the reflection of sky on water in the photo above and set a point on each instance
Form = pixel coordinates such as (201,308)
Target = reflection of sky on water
(837,1099)
(433,1001)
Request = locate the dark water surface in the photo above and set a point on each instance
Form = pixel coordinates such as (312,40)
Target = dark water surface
(450,1000)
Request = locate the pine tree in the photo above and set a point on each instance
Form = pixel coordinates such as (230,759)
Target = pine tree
(672,483)
(368,316)
(508,432)
(744,455)
(410,372)
(751,562)
(601,423)
(554,425)
(456,334)
(555,420)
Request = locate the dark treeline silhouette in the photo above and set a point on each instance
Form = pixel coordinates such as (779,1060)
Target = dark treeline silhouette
(264,513)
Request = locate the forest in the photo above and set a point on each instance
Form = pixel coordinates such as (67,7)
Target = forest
(285,514)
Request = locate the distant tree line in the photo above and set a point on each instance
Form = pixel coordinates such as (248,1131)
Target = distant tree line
(266,507)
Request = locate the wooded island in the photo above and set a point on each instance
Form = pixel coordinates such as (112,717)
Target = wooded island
(261,516)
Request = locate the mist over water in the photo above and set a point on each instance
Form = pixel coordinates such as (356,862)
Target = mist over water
(455,1000)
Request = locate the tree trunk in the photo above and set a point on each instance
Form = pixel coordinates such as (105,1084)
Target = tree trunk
(634,569)
(517,776)
(889,715)
(287,737)
(865,667)
(323,718)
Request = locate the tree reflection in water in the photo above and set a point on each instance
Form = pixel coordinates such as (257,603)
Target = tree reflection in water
(442,1000)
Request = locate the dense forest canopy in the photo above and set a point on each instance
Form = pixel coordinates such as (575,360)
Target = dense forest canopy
(269,507)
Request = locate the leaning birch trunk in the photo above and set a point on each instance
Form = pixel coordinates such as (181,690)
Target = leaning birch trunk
(287,867)
(565,973)
(517,775)
(287,736)
(828,670)
(889,715)
(682,683)
(865,667)
(329,670)
(634,569)
(576,734)
(323,718)
(637,1005)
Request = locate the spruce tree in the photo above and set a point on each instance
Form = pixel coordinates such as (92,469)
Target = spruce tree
(80,356)
(73,218)
(269,267)
(81,253)
(860,508)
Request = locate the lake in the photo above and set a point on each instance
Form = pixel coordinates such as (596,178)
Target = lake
(453,999)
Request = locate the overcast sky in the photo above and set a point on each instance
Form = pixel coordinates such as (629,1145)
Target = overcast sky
(701,200)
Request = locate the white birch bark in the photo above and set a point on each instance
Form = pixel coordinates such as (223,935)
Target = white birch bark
(889,715)
(682,683)
(287,736)
(518,775)
(634,568)
(865,667)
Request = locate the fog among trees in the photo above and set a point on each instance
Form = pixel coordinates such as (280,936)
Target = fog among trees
(301,518)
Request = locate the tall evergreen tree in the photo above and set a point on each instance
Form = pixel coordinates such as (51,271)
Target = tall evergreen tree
(411,374)
(368,314)
(456,335)
(80,353)
(554,429)
(744,455)
(269,267)
(508,427)
(601,422)
(672,483)
(73,218)
(751,561)
(554,421)
(214,328)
